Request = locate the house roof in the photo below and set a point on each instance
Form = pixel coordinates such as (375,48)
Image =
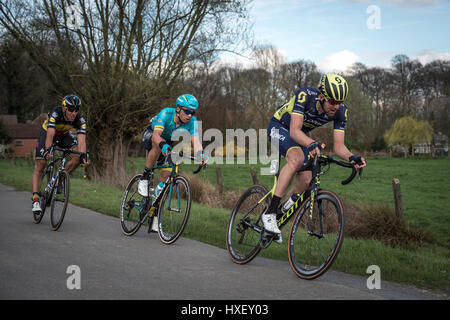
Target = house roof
(9,118)
(24,130)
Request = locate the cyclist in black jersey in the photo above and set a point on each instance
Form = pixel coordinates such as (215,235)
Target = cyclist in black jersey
(289,127)
(55,129)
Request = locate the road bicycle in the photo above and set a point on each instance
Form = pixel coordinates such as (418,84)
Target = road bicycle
(55,187)
(316,233)
(172,205)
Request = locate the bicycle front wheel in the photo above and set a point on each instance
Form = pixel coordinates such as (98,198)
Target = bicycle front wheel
(174,210)
(132,210)
(315,239)
(245,225)
(60,199)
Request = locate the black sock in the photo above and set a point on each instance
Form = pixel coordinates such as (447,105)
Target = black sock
(146,174)
(274,205)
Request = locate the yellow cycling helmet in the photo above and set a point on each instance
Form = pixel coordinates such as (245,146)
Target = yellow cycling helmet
(333,86)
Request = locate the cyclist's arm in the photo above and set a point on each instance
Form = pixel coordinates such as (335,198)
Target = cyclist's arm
(156,137)
(196,144)
(296,132)
(341,150)
(49,139)
(82,145)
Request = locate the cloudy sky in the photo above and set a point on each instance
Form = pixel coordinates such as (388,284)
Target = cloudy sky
(336,33)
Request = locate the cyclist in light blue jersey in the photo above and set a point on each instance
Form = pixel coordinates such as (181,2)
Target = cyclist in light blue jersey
(157,136)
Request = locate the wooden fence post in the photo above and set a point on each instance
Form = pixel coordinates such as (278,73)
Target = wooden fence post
(397,198)
(219,179)
(254,176)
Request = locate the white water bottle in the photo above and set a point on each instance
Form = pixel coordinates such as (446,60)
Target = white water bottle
(288,204)
(158,189)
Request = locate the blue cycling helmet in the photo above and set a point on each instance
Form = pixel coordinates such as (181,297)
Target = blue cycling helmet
(187,101)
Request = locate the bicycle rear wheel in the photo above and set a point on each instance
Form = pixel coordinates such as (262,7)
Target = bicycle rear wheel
(60,199)
(45,179)
(132,211)
(315,243)
(245,225)
(174,210)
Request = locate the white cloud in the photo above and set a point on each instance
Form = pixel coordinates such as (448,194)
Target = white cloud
(429,56)
(402,3)
(338,62)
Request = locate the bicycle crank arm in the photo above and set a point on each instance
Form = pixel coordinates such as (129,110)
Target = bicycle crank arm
(318,235)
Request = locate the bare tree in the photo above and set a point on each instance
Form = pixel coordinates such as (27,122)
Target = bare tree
(124,58)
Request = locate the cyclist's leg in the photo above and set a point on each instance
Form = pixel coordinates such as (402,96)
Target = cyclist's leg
(39,167)
(303,178)
(294,161)
(66,141)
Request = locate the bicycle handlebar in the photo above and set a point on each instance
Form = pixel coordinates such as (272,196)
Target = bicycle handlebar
(170,160)
(329,159)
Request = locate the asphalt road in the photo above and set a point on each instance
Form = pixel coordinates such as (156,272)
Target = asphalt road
(35,263)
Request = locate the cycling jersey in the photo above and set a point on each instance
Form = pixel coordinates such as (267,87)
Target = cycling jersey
(56,120)
(304,103)
(165,121)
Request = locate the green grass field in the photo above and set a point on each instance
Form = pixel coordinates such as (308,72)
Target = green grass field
(425,186)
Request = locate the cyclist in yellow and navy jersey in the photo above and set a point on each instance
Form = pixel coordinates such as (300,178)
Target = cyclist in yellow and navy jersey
(157,139)
(55,129)
(309,108)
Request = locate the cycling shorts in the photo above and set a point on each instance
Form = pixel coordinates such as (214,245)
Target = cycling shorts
(280,136)
(62,141)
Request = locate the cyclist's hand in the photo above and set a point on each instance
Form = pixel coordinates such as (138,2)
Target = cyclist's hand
(46,154)
(165,150)
(314,148)
(358,162)
(204,159)
(84,159)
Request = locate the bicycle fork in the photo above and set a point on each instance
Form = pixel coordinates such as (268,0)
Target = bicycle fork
(319,215)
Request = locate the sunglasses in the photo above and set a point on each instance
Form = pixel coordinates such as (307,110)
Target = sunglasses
(334,102)
(72,109)
(188,112)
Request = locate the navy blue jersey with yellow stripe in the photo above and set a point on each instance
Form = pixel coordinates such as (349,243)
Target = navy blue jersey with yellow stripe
(56,120)
(304,103)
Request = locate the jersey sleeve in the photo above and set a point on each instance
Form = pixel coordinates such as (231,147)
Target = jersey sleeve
(81,126)
(159,122)
(53,117)
(300,102)
(341,119)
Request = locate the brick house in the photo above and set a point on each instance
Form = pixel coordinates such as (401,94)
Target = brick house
(24,135)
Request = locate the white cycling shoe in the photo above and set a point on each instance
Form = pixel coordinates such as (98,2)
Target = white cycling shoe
(270,223)
(36,207)
(143,188)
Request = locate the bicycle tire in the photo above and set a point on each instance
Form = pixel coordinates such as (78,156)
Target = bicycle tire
(45,179)
(131,214)
(172,220)
(247,208)
(59,200)
(308,261)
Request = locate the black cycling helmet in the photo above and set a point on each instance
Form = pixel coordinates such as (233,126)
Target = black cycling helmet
(72,102)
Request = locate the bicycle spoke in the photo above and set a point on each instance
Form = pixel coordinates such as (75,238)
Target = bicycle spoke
(132,211)
(245,226)
(174,210)
(314,241)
